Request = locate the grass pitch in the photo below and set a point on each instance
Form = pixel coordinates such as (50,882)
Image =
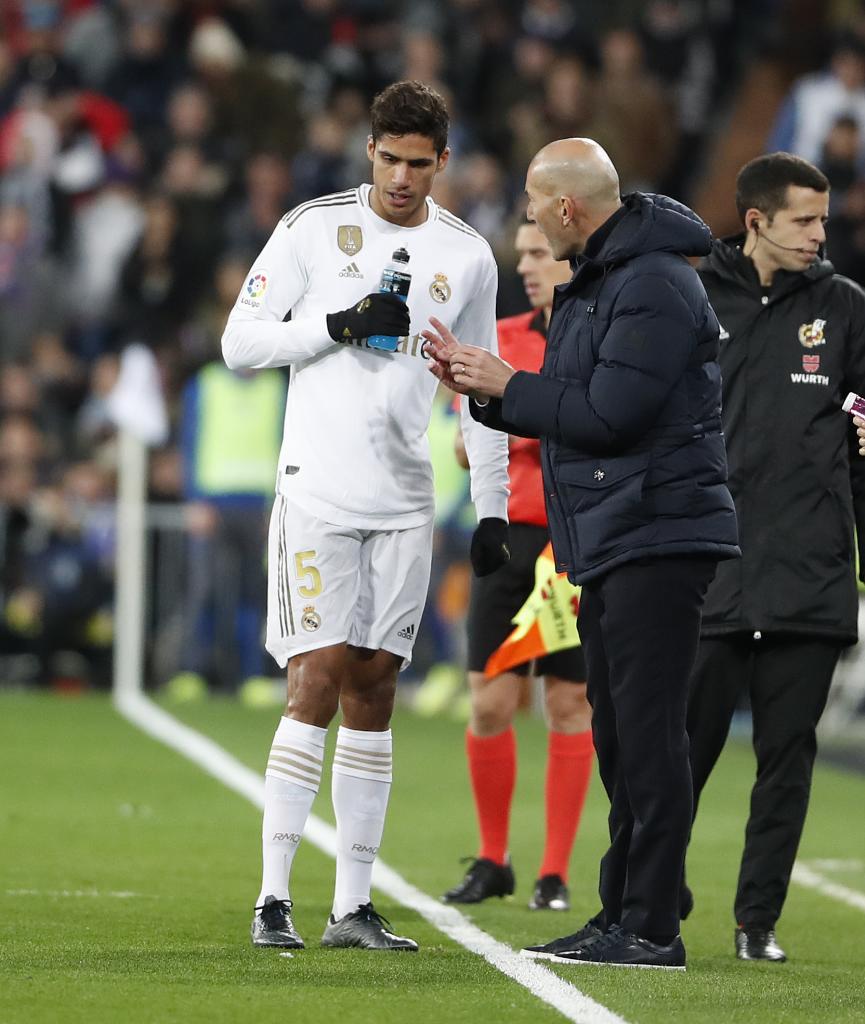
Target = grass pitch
(127,878)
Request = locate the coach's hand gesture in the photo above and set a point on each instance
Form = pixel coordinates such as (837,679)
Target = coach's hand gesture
(465,369)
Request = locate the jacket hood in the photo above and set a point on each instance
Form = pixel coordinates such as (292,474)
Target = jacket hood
(727,261)
(653,223)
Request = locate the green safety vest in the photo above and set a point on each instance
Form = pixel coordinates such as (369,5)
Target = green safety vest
(239,430)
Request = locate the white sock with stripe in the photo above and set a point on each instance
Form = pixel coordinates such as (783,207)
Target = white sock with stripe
(290,783)
(361,787)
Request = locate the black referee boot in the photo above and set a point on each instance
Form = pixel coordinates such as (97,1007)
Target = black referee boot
(550,893)
(483,879)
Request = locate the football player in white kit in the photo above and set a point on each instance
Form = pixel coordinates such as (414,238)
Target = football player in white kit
(351,529)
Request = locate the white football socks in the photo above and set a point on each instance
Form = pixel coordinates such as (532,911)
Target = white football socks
(361,786)
(291,781)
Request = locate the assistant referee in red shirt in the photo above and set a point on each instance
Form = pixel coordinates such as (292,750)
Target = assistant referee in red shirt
(495,599)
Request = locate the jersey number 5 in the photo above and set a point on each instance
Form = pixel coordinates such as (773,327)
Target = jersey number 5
(308,572)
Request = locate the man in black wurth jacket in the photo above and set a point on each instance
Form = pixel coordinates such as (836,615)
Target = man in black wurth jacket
(627,407)
(774,621)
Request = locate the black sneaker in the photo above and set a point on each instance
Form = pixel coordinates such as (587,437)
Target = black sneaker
(618,948)
(365,928)
(272,925)
(550,893)
(550,950)
(483,879)
(758,944)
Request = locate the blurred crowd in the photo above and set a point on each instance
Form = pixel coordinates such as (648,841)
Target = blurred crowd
(823,120)
(149,147)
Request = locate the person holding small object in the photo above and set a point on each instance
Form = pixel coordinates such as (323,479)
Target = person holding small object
(776,621)
(627,409)
(352,523)
(859,423)
(857,411)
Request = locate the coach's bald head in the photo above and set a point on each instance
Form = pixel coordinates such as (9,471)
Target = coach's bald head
(573,188)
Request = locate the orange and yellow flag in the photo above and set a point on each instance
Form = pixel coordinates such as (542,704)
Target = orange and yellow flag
(546,622)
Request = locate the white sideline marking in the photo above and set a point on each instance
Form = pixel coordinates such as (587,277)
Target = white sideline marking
(812,879)
(539,980)
(824,864)
(94,893)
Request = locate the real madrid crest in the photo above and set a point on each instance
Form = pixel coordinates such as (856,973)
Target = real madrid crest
(440,290)
(811,335)
(349,238)
(310,620)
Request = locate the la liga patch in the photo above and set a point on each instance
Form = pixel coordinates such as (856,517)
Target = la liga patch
(255,289)
(256,286)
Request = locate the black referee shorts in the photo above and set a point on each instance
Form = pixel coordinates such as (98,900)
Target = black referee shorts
(495,600)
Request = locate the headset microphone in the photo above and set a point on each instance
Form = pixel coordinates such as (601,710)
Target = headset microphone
(771,241)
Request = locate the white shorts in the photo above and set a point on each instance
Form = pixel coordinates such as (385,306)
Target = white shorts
(330,584)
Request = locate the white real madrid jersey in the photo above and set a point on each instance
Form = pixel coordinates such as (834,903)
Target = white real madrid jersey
(354,449)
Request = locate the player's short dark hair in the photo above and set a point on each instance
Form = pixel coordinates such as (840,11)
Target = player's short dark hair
(762,183)
(410,108)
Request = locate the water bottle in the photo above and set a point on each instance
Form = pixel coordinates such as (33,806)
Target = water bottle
(395,280)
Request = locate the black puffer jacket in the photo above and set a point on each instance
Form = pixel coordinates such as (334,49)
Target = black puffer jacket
(627,404)
(789,356)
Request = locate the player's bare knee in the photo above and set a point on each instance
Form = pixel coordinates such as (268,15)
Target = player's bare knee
(369,689)
(493,703)
(488,719)
(367,703)
(314,701)
(567,708)
(313,688)
(493,709)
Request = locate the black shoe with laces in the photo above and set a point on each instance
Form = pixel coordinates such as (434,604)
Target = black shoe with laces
(550,893)
(483,879)
(758,944)
(365,928)
(550,950)
(618,948)
(272,925)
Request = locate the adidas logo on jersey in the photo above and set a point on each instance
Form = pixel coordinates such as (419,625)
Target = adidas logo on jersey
(407,633)
(352,270)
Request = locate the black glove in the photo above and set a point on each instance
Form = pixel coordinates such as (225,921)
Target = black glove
(377,313)
(489,550)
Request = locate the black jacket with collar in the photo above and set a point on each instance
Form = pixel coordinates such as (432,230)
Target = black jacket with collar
(789,355)
(627,404)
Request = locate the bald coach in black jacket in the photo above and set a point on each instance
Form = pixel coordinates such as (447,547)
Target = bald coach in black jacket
(775,621)
(627,406)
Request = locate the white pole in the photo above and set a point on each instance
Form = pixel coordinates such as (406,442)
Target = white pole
(130,567)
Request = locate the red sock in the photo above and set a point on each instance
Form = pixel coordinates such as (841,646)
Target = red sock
(569,768)
(493,771)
